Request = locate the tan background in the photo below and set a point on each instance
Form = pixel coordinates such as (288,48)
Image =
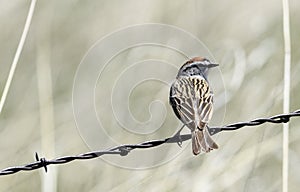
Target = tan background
(244,36)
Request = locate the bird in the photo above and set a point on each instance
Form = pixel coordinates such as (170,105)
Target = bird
(191,98)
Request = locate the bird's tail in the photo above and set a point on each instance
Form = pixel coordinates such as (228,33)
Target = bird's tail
(202,141)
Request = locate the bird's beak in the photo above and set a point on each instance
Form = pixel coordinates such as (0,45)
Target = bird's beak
(213,65)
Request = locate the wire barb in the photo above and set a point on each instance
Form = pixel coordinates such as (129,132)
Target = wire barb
(124,150)
(42,160)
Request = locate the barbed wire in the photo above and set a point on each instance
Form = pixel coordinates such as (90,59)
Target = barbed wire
(124,150)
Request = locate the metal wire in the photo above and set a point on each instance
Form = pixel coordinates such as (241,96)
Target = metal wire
(124,150)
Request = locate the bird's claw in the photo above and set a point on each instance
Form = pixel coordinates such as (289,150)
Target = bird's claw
(179,142)
(178,137)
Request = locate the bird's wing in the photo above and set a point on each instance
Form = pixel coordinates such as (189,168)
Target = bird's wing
(192,100)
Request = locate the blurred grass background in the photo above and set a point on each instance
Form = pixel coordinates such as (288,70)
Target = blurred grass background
(244,36)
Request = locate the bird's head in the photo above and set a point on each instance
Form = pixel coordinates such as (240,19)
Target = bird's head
(196,66)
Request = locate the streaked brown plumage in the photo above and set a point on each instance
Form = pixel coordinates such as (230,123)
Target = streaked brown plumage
(192,102)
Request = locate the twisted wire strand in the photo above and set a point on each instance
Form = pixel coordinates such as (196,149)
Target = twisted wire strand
(124,150)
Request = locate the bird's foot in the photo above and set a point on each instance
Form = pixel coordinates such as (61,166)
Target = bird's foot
(178,136)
